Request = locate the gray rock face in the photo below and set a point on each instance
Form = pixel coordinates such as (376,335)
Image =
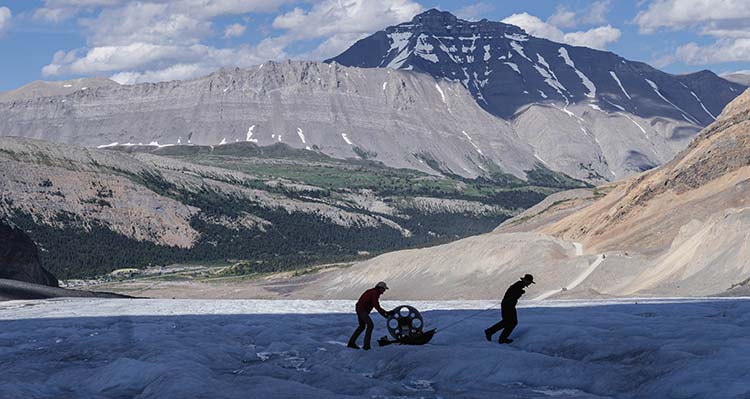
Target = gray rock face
(19,257)
(586,113)
(399,118)
(403,119)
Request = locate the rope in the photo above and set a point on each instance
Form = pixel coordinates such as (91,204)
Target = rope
(468,317)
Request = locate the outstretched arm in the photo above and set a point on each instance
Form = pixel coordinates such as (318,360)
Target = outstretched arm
(380,309)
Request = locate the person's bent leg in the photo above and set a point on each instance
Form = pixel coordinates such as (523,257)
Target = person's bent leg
(361,327)
(507,330)
(368,332)
(511,321)
(488,333)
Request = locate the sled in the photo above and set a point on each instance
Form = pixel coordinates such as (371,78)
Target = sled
(416,339)
(405,325)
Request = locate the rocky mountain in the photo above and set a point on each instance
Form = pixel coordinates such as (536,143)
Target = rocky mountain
(96,210)
(507,69)
(680,230)
(619,117)
(400,118)
(416,97)
(19,257)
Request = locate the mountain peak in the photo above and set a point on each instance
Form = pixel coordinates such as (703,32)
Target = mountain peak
(433,13)
(435,18)
(443,22)
(506,69)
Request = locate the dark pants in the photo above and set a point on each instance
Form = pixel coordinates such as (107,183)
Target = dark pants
(365,322)
(507,324)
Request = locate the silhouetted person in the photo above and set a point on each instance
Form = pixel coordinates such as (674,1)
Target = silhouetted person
(508,310)
(365,304)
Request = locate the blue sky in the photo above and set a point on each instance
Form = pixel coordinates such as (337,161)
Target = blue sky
(153,40)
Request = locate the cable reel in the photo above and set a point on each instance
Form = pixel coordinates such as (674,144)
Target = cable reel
(405,322)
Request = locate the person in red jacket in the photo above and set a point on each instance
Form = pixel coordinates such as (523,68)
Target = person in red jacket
(365,304)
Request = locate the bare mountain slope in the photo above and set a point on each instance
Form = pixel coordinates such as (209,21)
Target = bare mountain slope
(681,229)
(274,207)
(400,118)
(40,89)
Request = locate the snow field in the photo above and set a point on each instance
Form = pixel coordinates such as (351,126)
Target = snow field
(87,348)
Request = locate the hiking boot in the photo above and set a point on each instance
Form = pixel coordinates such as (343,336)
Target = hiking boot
(488,335)
(353,346)
(504,340)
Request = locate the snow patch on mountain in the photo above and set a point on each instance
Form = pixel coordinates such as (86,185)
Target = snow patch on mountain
(424,49)
(516,37)
(585,79)
(658,92)
(442,95)
(513,67)
(399,43)
(476,147)
(619,83)
(703,106)
(519,49)
(249,135)
(634,122)
(301,135)
(550,78)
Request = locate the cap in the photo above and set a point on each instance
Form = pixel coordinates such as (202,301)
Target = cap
(528,278)
(381,284)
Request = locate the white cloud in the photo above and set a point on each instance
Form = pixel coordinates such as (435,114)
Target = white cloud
(727,21)
(688,13)
(343,22)
(57,10)
(598,37)
(155,40)
(563,18)
(146,22)
(475,11)
(234,30)
(594,14)
(144,62)
(734,50)
(535,26)
(345,16)
(174,72)
(5,17)
(663,61)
